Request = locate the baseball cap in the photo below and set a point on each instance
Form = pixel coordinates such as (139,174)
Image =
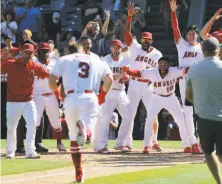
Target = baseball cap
(147,35)
(116,43)
(50,42)
(55,17)
(28,47)
(218,35)
(43,46)
(211,44)
(7,37)
(71,38)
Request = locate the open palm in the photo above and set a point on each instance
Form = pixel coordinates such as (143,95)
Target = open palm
(218,14)
(130,9)
(173,5)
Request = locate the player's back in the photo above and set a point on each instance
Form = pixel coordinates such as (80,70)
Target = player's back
(82,72)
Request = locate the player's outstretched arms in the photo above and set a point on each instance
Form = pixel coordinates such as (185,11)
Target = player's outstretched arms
(128,37)
(174,21)
(206,29)
(133,73)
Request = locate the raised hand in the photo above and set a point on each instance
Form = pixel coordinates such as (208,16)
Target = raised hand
(107,13)
(125,69)
(130,9)
(218,15)
(173,5)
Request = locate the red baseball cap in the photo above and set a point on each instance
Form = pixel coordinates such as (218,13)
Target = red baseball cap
(116,43)
(43,46)
(147,35)
(28,47)
(218,35)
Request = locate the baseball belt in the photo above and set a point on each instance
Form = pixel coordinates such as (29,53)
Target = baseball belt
(85,91)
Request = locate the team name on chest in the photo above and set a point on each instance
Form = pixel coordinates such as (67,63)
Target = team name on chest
(144,59)
(116,69)
(190,54)
(164,83)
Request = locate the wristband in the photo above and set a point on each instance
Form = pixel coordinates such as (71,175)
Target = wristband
(129,19)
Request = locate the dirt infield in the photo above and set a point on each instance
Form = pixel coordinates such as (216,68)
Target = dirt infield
(96,165)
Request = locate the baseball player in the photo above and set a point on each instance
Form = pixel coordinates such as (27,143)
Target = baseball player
(164,80)
(204,33)
(44,97)
(20,79)
(115,99)
(82,75)
(189,53)
(142,56)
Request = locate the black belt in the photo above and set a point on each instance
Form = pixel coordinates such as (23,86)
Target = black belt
(163,95)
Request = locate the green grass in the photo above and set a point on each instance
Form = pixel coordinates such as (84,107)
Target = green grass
(17,166)
(179,174)
(136,144)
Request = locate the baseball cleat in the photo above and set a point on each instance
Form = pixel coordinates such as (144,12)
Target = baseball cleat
(196,149)
(157,147)
(103,151)
(129,147)
(33,155)
(81,137)
(61,147)
(79,176)
(187,150)
(10,156)
(147,150)
(122,149)
(41,148)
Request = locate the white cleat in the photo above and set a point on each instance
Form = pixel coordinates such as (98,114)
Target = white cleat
(103,151)
(33,155)
(10,156)
(81,137)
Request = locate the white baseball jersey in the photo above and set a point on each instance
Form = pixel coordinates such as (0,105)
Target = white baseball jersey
(166,85)
(81,72)
(41,86)
(189,55)
(116,67)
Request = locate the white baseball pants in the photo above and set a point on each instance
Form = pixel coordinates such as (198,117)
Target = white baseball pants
(51,105)
(142,92)
(172,104)
(115,99)
(14,112)
(84,107)
(188,111)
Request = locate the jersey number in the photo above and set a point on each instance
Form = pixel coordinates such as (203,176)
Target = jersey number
(84,70)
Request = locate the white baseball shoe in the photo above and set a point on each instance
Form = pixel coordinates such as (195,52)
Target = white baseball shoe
(33,155)
(10,156)
(103,151)
(122,148)
(81,137)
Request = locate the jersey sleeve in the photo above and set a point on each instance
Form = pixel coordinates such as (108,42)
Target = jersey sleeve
(181,43)
(178,71)
(40,71)
(146,74)
(57,69)
(106,69)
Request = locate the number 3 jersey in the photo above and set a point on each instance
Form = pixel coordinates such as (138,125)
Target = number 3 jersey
(166,85)
(116,67)
(81,72)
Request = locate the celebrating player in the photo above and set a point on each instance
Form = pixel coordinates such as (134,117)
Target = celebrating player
(142,56)
(82,75)
(116,98)
(20,99)
(44,97)
(189,53)
(164,80)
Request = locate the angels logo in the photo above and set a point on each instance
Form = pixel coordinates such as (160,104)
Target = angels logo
(4,77)
(31,75)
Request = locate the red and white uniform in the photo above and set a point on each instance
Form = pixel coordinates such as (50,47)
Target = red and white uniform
(116,98)
(82,75)
(139,89)
(188,56)
(164,97)
(45,99)
(20,79)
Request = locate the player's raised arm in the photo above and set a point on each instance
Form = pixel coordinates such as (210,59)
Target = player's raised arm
(128,37)
(206,29)
(133,73)
(174,21)
(40,71)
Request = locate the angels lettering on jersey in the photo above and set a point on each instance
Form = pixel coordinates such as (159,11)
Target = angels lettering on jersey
(147,60)
(166,85)
(4,77)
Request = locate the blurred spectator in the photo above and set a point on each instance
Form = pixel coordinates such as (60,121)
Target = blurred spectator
(114,123)
(90,10)
(27,37)
(52,26)
(9,28)
(116,6)
(7,6)
(29,18)
(165,8)
(70,41)
(53,52)
(138,23)
(119,24)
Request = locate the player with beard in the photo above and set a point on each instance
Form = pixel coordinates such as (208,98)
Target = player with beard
(164,80)
(142,56)
(116,98)
(44,97)
(189,53)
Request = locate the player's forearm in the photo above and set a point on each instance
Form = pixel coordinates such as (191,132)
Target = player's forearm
(175,26)
(84,32)
(128,37)
(53,82)
(206,29)
(134,73)
(117,76)
(108,79)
